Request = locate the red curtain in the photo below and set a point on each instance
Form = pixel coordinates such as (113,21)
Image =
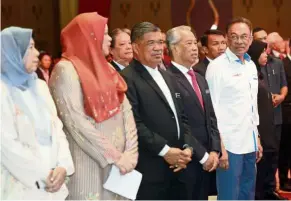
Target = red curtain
(102,7)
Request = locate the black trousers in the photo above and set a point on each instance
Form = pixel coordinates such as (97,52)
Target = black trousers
(212,184)
(197,182)
(266,170)
(285,153)
(170,189)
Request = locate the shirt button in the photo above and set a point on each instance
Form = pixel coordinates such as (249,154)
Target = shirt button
(173,117)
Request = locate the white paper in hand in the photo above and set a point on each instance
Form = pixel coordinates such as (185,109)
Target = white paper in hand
(124,185)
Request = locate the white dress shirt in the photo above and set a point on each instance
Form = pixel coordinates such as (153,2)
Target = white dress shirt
(233,87)
(185,70)
(45,74)
(289,56)
(119,65)
(277,54)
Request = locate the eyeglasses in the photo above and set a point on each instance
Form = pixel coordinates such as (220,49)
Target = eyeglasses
(236,38)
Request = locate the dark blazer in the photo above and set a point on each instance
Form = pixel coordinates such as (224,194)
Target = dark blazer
(203,125)
(115,66)
(202,122)
(276,79)
(155,121)
(286,105)
(40,75)
(266,127)
(201,67)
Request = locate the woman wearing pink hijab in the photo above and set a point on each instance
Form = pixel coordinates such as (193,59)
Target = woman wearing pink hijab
(91,102)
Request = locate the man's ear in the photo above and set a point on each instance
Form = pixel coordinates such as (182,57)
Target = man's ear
(251,40)
(176,50)
(135,48)
(205,50)
(110,50)
(226,39)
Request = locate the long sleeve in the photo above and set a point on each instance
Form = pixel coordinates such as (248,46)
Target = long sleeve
(283,76)
(20,159)
(213,81)
(199,151)
(129,127)
(214,132)
(64,158)
(64,155)
(67,93)
(147,139)
(215,135)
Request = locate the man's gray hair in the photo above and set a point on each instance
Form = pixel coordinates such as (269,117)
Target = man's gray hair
(174,36)
(140,29)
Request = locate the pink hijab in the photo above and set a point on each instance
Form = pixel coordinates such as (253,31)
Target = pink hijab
(103,88)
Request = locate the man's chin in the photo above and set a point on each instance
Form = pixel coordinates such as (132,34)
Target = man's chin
(240,52)
(156,62)
(157,59)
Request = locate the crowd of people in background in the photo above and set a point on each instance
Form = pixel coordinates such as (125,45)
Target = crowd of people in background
(195,116)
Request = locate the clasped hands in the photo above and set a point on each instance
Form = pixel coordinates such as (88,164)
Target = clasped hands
(277,99)
(127,161)
(55,179)
(178,159)
(212,162)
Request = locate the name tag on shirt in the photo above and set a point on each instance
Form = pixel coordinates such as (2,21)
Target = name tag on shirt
(237,75)
(255,76)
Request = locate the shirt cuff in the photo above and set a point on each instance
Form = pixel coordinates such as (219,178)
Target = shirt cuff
(164,151)
(204,159)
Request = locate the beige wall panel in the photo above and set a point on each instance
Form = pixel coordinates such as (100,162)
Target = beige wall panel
(11,13)
(157,12)
(273,15)
(40,15)
(126,13)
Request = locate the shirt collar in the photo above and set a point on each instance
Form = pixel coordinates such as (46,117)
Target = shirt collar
(209,59)
(277,54)
(183,69)
(289,56)
(151,70)
(43,71)
(232,57)
(119,65)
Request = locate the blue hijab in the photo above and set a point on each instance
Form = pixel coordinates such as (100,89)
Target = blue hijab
(14,44)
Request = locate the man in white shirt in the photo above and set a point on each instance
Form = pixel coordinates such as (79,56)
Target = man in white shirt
(198,106)
(233,84)
(164,137)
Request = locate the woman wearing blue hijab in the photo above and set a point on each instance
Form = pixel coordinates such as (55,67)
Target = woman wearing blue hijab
(35,156)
